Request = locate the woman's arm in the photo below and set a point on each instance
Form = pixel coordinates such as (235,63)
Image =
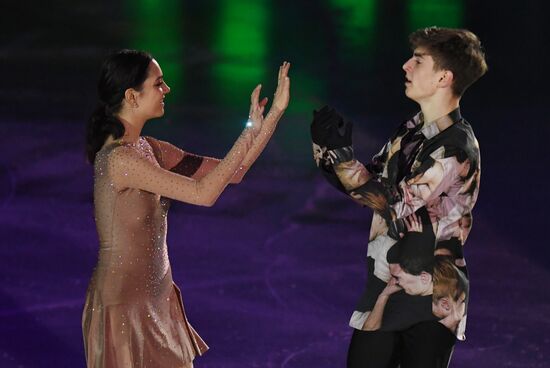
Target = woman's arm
(131,169)
(195,166)
(177,160)
(181,162)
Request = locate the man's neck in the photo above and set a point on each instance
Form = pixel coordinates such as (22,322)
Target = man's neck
(429,290)
(436,107)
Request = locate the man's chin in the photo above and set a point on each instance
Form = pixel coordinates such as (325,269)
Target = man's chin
(410,96)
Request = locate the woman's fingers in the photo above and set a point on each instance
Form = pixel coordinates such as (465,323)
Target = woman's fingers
(255,95)
(257,108)
(286,79)
(283,87)
(282,76)
(285,68)
(287,83)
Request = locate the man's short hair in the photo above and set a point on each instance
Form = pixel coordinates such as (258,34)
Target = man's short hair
(457,50)
(415,265)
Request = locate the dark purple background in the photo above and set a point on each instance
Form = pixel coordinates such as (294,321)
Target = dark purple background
(271,273)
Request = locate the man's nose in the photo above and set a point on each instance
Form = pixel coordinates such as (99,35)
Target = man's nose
(407,66)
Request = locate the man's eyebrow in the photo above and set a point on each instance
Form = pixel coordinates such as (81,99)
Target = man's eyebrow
(162,76)
(419,54)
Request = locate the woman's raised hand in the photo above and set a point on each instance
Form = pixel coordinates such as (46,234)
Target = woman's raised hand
(280,100)
(282,93)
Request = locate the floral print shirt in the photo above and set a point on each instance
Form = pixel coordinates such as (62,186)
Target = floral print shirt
(430,169)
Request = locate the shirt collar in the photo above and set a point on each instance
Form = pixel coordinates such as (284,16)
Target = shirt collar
(430,129)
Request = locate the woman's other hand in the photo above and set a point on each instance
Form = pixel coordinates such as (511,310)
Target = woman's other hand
(256,113)
(282,93)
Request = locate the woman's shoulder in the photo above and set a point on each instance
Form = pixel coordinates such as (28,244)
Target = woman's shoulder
(155,143)
(165,152)
(120,150)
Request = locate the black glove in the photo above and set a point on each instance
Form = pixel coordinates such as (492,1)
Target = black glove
(329,129)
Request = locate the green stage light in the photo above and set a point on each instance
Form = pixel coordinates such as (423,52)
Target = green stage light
(157,28)
(241,46)
(442,13)
(357,21)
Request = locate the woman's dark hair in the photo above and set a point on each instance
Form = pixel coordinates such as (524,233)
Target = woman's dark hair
(122,70)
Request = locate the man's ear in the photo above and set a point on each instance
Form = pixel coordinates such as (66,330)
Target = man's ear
(446,79)
(425,277)
(444,303)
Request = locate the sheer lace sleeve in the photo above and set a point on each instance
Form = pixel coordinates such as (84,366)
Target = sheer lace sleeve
(177,160)
(268,127)
(130,168)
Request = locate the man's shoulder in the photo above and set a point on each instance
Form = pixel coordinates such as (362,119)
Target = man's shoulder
(459,135)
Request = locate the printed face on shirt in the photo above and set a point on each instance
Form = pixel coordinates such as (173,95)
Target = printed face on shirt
(150,99)
(412,284)
(446,306)
(421,80)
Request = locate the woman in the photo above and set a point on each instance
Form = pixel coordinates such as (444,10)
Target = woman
(134,315)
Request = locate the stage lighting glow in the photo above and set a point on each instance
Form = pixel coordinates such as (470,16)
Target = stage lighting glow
(158,29)
(356,20)
(240,48)
(442,13)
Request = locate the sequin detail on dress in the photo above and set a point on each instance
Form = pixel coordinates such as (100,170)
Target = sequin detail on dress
(134,314)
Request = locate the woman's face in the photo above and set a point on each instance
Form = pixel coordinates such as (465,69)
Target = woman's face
(150,99)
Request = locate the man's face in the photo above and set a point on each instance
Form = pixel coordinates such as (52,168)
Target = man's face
(412,284)
(421,80)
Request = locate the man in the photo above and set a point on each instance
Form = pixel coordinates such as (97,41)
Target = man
(430,164)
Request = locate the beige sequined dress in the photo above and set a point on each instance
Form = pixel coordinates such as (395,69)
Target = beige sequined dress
(134,314)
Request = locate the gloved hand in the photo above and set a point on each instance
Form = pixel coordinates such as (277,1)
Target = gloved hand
(329,129)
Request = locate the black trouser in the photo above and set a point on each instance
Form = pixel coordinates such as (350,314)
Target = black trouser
(424,345)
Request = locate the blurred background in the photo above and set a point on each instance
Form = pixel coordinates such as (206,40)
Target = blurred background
(271,273)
